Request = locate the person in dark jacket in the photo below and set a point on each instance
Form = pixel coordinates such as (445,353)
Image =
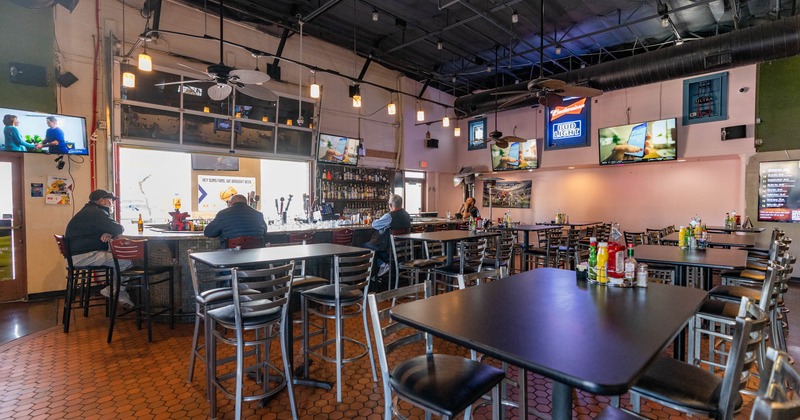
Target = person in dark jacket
(89,232)
(239,219)
(396,218)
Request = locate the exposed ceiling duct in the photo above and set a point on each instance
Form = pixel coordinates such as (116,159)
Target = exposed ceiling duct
(771,41)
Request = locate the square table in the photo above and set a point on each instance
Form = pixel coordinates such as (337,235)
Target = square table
(719,239)
(449,238)
(596,338)
(724,229)
(706,259)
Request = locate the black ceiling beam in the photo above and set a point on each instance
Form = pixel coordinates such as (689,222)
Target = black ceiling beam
(364,69)
(274,68)
(320,10)
(424,88)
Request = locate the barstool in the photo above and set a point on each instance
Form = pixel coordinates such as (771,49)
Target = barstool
(246,242)
(141,273)
(342,237)
(80,280)
(349,291)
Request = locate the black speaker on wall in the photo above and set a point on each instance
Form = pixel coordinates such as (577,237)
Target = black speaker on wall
(27,74)
(66,79)
(734,132)
(432,143)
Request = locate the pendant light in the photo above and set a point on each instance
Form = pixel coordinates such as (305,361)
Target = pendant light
(128,79)
(446,121)
(420,112)
(145,61)
(457,132)
(314,88)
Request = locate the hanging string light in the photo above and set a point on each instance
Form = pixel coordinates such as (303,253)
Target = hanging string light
(420,112)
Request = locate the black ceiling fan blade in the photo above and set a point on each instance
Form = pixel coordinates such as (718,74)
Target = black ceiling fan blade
(579,91)
(182,82)
(511,92)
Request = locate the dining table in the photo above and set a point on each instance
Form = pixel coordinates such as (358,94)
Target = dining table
(684,258)
(262,257)
(734,229)
(449,238)
(580,335)
(719,239)
(526,230)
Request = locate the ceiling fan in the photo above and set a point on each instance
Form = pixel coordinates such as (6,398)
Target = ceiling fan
(549,92)
(497,136)
(227,78)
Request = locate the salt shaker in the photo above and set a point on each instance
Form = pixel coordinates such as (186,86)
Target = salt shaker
(641,275)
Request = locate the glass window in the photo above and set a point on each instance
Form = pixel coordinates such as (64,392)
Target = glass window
(195,97)
(287,112)
(280,179)
(259,110)
(149,180)
(207,131)
(147,91)
(148,123)
(255,137)
(294,142)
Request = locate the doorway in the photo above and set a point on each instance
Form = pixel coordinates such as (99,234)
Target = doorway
(414,189)
(13,283)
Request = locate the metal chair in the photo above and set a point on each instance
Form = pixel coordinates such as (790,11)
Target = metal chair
(345,298)
(263,310)
(696,391)
(406,265)
(441,226)
(653,236)
(779,393)
(440,384)
(140,276)
(246,242)
(502,256)
(635,238)
(80,281)
(468,269)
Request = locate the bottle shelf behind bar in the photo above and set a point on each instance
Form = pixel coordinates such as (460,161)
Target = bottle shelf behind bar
(355,190)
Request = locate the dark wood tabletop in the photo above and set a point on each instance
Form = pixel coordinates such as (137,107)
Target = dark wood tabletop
(719,239)
(229,258)
(447,235)
(735,229)
(529,228)
(591,337)
(729,259)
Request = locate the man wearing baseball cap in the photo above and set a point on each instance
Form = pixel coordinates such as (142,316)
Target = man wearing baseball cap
(89,232)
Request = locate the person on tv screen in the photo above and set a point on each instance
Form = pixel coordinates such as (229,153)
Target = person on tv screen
(623,152)
(54,137)
(14,142)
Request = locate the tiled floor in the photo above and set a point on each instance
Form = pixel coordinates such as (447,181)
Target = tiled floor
(49,374)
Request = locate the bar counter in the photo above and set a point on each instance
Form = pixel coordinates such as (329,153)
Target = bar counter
(171,248)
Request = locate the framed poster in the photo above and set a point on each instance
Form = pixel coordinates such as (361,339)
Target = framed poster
(477,134)
(508,194)
(705,99)
(568,125)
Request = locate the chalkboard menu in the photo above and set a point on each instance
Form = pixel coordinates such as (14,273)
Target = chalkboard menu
(779,191)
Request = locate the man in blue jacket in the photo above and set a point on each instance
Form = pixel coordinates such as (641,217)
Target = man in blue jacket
(239,219)
(54,137)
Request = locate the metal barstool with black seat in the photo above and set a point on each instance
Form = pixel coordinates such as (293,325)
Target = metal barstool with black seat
(778,397)
(501,258)
(262,310)
(80,281)
(468,268)
(406,264)
(438,383)
(345,298)
(141,277)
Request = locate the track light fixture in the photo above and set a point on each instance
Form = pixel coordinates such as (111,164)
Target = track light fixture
(145,62)
(558,49)
(514,17)
(439,45)
(446,121)
(355,93)
(391,108)
(663,11)
(374,15)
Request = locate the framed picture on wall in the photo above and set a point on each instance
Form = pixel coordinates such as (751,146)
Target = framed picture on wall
(705,99)
(509,194)
(477,134)
(568,124)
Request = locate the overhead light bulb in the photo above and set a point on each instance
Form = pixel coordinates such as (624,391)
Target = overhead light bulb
(314,90)
(439,45)
(128,80)
(420,115)
(489,69)
(145,62)
(356,101)
(679,41)
(583,65)
(558,49)
(457,132)
(374,15)
(446,122)
(514,17)
(664,21)
(300,120)
(391,108)
(206,109)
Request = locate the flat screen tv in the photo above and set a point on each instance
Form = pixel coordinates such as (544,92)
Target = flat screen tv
(517,156)
(32,128)
(779,191)
(338,149)
(641,142)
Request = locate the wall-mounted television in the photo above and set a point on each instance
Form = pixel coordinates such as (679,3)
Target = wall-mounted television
(338,149)
(641,142)
(517,156)
(779,191)
(33,127)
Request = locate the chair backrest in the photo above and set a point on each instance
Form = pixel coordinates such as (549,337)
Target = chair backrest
(402,250)
(779,396)
(419,228)
(635,238)
(273,286)
(553,242)
(505,249)
(472,252)
(670,230)
(353,271)
(748,335)
(390,335)
(441,226)
(205,277)
(434,249)
(304,237)
(463,226)
(246,242)
(653,236)
(129,249)
(342,237)
(63,248)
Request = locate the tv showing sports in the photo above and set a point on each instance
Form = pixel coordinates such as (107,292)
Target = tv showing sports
(641,142)
(338,149)
(779,191)
(517,156)
(37,132)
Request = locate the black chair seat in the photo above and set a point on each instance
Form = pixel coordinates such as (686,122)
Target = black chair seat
(137,271)
(734,293)
(419,263)
(454,269)
(444,383)
(492,263)
(221,294)
(307,282)
(225,316)
(327,294)
(682,384)
(720,308)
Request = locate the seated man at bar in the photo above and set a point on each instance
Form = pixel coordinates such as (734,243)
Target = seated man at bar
(89,232)
(239,219)
(396,218)
(468,209)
